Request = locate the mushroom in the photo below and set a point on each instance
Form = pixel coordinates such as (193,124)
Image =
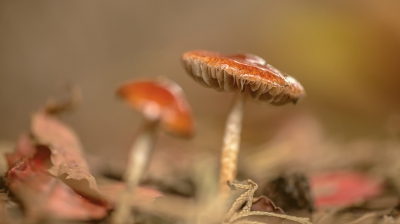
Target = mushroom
(248,75)
(162,103)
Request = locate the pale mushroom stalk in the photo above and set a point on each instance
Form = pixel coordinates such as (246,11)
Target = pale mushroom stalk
(249,75)
(231,145)
(139,156)
(163,105)
(141,151)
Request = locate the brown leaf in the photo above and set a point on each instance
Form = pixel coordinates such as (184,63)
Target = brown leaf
(43,195)
(67,159)
(50,176)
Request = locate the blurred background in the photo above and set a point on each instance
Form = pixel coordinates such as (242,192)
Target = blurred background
(345,53)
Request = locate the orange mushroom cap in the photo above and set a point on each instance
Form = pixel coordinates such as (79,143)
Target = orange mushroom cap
(160,100)
(244,72)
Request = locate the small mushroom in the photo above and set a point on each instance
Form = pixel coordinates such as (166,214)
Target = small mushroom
(248,75)
(162,103)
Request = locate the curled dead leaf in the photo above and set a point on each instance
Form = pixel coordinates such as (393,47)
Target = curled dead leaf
(67,159)
(49,174)
(44,196)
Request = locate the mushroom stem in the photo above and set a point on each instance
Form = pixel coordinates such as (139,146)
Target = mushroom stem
(231,143)
(139,155)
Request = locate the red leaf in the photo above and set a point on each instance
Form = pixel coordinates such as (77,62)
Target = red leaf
(51,178)
(342,188)
(45,196)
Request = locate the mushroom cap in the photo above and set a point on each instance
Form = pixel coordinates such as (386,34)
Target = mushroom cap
(245,72)
(160,99)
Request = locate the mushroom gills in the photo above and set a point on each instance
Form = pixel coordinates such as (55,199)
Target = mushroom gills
(208,74)
(274,91)
(242,83)
(255,86)
(194,69)
(261,90)
(279,97)
(218,74)
(266,97)
(283,101)
(229,82)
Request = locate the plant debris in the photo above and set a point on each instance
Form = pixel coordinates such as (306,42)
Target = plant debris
(305,177)
(51,179)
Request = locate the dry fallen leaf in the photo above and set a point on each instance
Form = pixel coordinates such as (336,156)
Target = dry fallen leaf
(43,195)
(67,160)
(49,175)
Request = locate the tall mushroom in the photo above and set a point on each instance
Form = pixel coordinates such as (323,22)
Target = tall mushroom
(162,103)
(248,75)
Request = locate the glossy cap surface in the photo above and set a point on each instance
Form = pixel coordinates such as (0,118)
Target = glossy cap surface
(160,100)
(244,72)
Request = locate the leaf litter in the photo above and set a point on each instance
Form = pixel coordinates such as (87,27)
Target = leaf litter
(49,179)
